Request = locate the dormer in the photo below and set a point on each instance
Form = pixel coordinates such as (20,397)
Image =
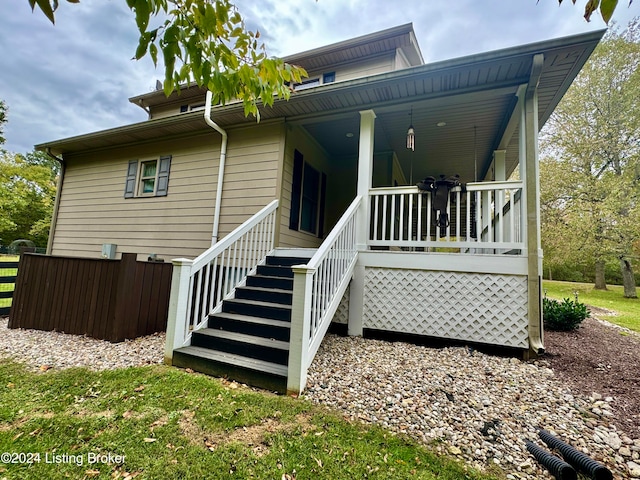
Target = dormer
(385,51)
(380,52)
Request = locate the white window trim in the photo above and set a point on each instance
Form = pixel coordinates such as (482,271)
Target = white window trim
(140,178)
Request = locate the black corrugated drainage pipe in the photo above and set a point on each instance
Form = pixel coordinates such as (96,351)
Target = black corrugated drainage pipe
(557,468)
(579,460)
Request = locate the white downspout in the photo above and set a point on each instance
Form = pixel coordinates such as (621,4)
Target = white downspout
(223,156)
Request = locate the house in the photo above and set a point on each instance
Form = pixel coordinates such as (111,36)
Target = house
(312,216)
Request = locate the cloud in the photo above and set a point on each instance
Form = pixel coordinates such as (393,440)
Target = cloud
(76,77)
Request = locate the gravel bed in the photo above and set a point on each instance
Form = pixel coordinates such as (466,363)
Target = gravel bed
(476,407)
(479,408)
(44,350)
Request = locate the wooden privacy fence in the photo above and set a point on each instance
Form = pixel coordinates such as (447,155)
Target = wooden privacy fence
(111,300)
(7,279)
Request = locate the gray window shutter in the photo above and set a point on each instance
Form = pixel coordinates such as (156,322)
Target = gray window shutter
(130,185)
(163,176)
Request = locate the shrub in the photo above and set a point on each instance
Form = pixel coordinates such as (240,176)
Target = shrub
(563,316)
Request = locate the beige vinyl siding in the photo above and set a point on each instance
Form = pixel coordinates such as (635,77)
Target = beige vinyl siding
(161,111)
(341,189)
(251,172)
(93,209)
(298,139)
(401,60)
(398,175)
(364,68)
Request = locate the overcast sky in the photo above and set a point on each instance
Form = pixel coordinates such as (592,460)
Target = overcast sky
(76,77)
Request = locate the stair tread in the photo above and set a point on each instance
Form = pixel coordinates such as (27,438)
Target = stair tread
(237,360)
(288,260)
(265,289)
(252,319)
(258,303)
(270,277)
(244,338)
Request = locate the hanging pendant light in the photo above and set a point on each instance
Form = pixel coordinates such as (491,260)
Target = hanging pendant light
(411,135)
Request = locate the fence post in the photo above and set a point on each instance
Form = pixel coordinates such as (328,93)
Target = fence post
(124,297)
(300,329)
(178,300)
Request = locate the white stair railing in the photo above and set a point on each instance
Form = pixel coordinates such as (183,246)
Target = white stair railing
(318,288)
(199,286)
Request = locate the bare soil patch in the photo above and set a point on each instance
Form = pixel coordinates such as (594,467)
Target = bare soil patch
(601,358)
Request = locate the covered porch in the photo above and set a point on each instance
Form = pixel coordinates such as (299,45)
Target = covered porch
(396,260)
(466,270)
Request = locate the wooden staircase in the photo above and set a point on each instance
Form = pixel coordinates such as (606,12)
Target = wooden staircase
(249,340)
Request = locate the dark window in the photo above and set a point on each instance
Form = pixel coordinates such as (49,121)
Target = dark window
(329,77)
(308,194)
(310,200)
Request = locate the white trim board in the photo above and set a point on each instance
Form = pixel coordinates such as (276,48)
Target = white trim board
(447,262)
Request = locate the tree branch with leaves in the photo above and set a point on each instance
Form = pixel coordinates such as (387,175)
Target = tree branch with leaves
(605,7)
(207,43)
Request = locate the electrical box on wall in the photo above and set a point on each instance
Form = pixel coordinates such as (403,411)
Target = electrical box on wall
(109,250)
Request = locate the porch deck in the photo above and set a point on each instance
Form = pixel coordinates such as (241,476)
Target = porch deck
(464,278)
(389,264)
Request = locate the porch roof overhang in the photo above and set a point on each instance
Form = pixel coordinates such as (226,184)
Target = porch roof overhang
(475,96)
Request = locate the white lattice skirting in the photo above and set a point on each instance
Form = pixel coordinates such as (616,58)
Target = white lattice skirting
(475,307)
(342,313)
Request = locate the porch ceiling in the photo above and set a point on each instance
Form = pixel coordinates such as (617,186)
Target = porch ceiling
(473,122)
(474,96)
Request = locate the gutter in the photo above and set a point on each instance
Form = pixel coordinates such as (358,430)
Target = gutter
(223,157)
(56,204)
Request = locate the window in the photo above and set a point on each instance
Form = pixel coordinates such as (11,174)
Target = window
(191,108)
(310,199)
(148,178)
(307,197)
(329,77)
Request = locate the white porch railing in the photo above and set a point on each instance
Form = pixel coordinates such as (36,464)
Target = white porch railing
(318,288)
(487,218)
(199,286)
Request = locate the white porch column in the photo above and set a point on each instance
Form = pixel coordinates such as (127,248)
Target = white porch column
(499,165)
(532,186)
(365,176)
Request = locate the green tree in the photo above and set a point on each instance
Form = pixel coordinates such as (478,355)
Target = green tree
(591,168)
(3,120)
(27,195)
(206,42)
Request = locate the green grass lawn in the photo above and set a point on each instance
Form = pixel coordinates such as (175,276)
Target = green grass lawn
(159,422)
(6,272)
(628,309)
